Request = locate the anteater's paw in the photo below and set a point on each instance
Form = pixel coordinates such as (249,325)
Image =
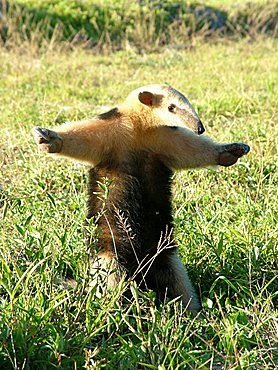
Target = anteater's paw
(231,152)
(47,140)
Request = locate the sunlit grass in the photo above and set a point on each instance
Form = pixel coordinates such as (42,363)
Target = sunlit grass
(226,219)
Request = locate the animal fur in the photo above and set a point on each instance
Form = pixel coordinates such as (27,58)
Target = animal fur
(135,148)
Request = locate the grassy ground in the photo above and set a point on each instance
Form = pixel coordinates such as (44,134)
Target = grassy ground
(226,219)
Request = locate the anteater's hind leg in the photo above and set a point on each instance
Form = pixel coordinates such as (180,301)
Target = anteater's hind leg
(171,280)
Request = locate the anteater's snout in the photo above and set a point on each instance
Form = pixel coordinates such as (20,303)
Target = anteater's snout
(201,128)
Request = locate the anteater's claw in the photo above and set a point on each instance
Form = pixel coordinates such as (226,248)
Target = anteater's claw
(42,132)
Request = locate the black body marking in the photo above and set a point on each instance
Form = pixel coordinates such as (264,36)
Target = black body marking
(138,209)
(113,113)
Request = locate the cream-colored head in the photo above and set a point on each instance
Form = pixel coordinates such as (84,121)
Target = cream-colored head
(166,106)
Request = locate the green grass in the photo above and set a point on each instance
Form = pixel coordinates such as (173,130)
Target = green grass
(145,25)
(225,218)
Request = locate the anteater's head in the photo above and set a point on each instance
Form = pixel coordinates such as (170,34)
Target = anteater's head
(166,106)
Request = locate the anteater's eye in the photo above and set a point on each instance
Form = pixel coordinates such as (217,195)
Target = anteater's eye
(171,107)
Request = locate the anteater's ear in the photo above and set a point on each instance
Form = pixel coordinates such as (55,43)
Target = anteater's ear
(149,98)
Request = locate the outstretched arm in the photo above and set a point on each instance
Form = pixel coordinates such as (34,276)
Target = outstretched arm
(83,141)
(180,148)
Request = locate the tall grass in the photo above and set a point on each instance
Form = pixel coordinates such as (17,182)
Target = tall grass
(141,25)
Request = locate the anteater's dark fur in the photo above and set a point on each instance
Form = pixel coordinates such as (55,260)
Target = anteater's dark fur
(136,216)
